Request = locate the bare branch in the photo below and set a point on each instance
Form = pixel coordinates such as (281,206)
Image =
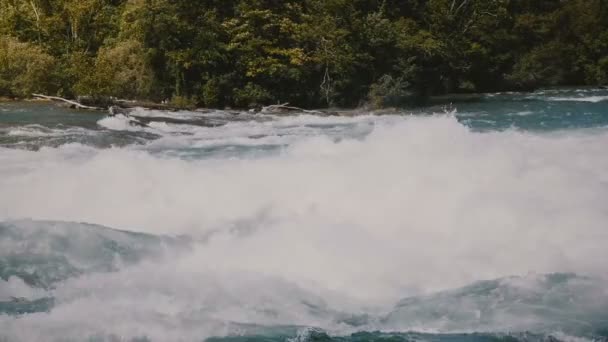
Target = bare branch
(73,103)
(465,2)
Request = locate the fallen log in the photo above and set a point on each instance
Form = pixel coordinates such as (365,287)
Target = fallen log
(70,102)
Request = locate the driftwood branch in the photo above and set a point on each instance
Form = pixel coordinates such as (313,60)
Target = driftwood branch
(73,103)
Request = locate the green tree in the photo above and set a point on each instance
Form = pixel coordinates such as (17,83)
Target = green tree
(306,52)
(24,68)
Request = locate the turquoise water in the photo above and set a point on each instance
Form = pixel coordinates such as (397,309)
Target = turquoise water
(473,221)
(36,125)
(541,111)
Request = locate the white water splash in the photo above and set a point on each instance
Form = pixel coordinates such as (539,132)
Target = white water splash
(417,205)
(592,99)
(119,123)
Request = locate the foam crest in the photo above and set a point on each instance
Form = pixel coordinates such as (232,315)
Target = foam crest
(15,287)
(531,303)
(420,204)
(119,123)
(592,99)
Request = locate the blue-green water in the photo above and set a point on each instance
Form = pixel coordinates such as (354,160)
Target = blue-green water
(541,111)
(476,221)
(36,125)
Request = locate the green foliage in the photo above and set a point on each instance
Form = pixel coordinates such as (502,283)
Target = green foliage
(211,94)
(538,67)
(24,68)
(309,53)
(183,102)
(121,70)
(252,95)
(389,92)
(75,71)
(598,74)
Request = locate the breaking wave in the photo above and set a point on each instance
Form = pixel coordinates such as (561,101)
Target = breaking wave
(347,229)
(593,99)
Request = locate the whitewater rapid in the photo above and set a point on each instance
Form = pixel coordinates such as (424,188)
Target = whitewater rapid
(424,191)
(337,221)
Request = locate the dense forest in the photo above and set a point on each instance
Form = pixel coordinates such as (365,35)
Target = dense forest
(311,53)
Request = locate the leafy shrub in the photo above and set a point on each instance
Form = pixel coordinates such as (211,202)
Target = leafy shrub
(183,102)
(390,92)
(252,95)
(122,70)
(24,68)
(598,73)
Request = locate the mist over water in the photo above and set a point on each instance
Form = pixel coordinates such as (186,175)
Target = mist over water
(274,225)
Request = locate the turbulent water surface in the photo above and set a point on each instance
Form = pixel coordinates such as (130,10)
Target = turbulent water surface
(481,221)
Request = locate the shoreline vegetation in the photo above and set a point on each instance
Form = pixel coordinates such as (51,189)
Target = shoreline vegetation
(252,54)
(113,106)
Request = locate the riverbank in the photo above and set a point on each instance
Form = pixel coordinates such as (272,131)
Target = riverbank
(435,104)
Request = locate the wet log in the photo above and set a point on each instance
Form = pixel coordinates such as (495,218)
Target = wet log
(72,104)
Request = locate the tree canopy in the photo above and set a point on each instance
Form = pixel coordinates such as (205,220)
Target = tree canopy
(310,53)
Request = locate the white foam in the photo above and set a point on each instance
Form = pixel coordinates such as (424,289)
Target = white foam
(524,113)
(592,99)
(183,114)
(420,204)
(119,123)
(16,288)
(262,131)
(36,131)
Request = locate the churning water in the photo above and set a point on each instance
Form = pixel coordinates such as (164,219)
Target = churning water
(486,223)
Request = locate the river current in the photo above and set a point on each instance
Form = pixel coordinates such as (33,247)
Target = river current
(484,220)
